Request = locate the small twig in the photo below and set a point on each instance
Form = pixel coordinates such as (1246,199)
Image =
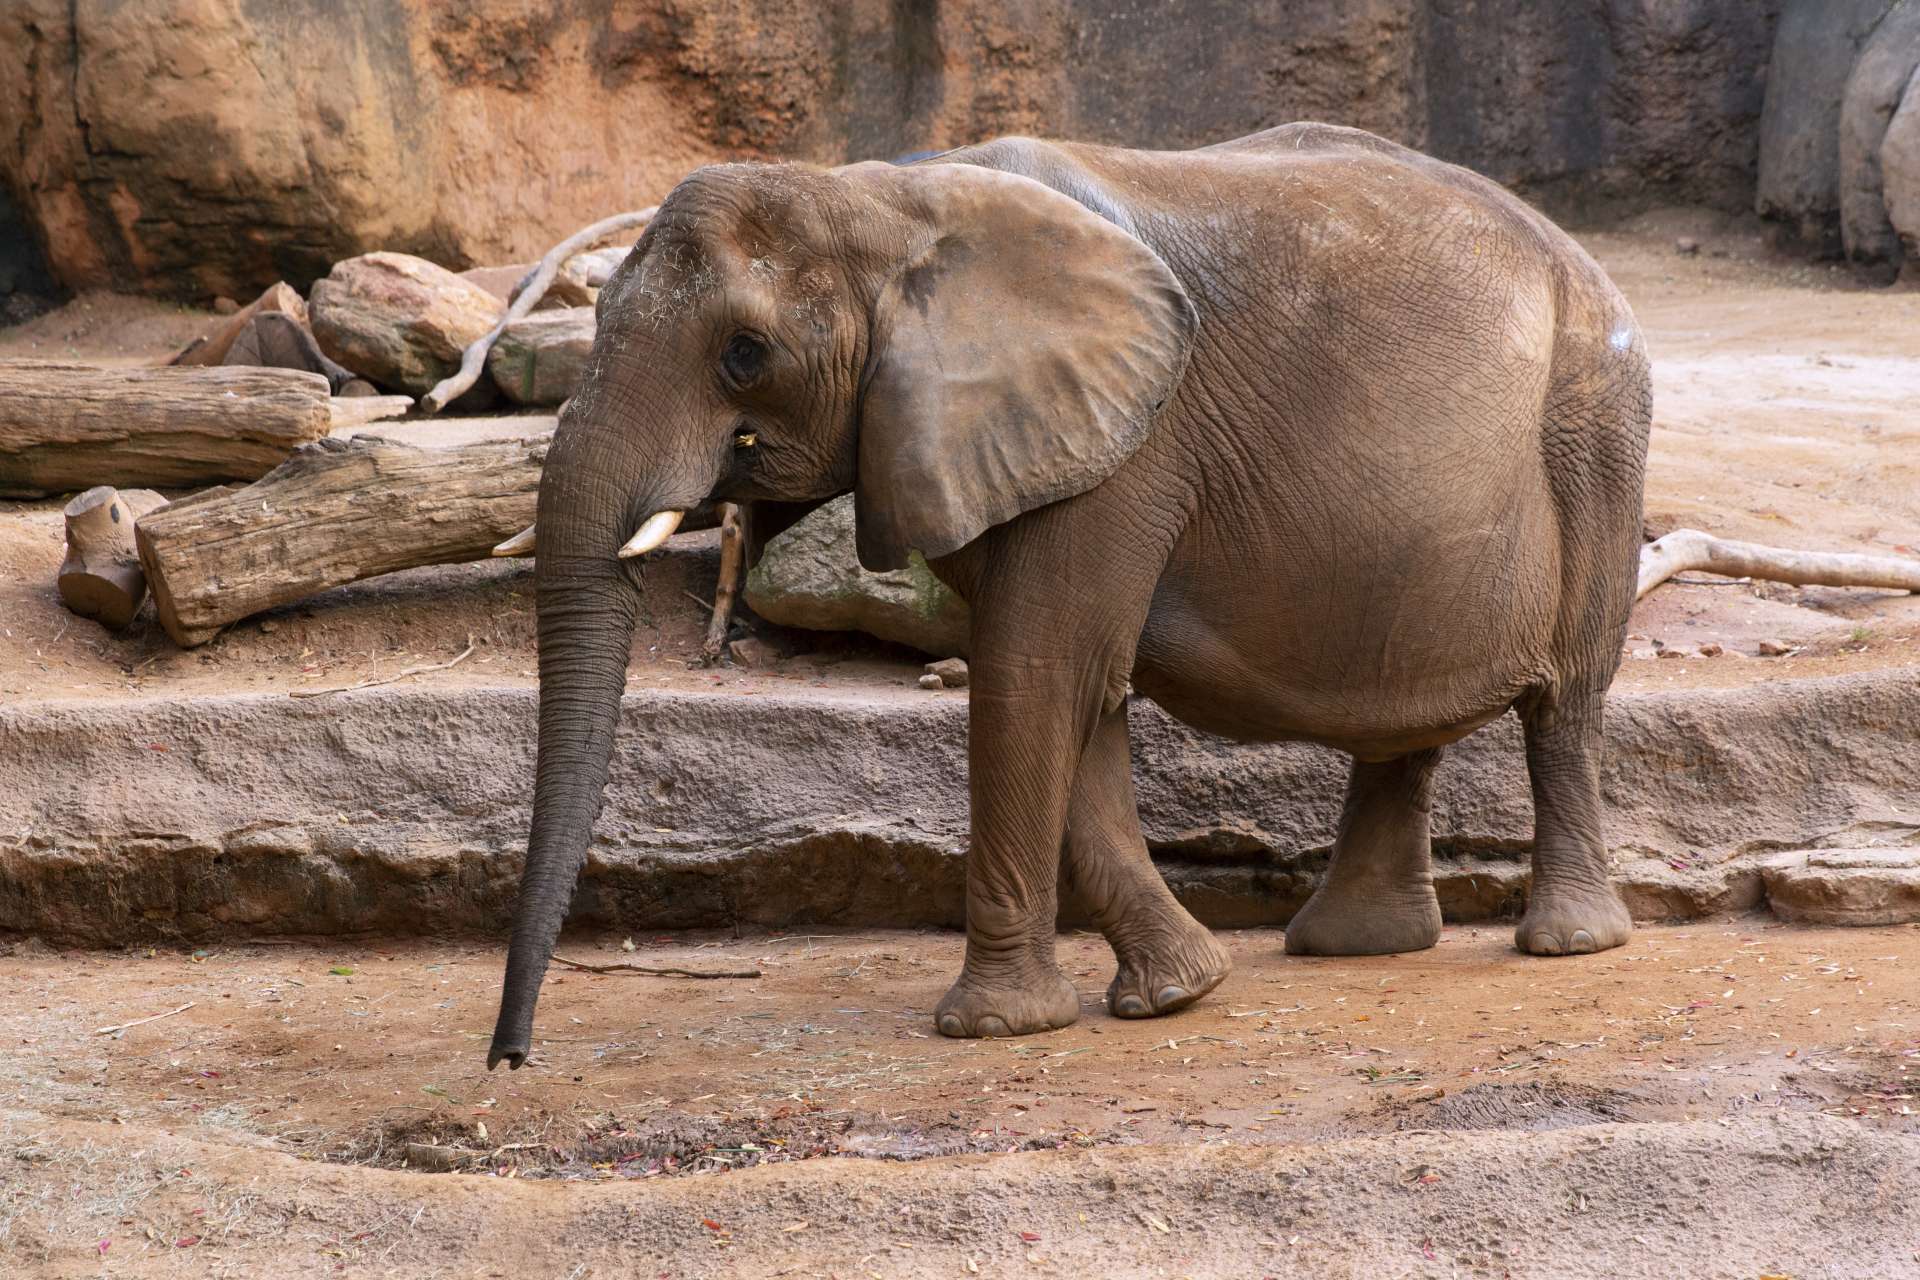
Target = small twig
(410,671)
(141,1022)
(662,973)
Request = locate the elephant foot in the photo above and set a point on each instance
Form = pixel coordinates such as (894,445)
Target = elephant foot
(1566,925)
(1166,973)
(1349,922)
(1037,998)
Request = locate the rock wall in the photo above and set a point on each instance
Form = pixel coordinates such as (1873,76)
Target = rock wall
(213,146)
(1840,133)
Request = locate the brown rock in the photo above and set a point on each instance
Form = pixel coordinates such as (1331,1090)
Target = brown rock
(1773,649)
(752,651)
(1900,171)
(932,682)
(225,306)
(539,359)
(398,320)
(1686,246)
(1880,77)
(1711,650)
(951,672)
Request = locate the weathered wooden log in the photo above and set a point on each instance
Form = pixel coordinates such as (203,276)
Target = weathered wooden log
(539,358)
(335,512)
(73,426)
(211,348)
(101,576)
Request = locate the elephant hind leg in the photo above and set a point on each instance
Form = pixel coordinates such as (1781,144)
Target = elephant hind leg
(1377,897)
(1572,907)
(1167,959)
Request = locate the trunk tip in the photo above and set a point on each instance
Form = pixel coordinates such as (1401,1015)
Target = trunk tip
(515,1056)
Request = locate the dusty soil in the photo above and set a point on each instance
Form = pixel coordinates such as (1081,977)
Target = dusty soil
(371,1055)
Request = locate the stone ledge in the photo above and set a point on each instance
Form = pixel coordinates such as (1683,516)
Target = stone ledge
(1875,885)
(404,810)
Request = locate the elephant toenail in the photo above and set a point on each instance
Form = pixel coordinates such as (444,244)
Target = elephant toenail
(1546,944)
(950,1025)
(991,1026)
(1130,1006)
(1582,941)
(1170,996)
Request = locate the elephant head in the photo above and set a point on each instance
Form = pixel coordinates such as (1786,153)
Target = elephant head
(955,344)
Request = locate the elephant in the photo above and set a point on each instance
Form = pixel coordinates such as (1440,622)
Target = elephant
(1303,436)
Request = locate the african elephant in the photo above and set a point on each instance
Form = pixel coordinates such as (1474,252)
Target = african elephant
(1303,436)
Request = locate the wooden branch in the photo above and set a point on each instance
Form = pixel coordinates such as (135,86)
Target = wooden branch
(358,411)
(663,973)
(73,426)
(101,576)
(141,1022)
(475,358)
(336,512)
(1684,550)
(732,556)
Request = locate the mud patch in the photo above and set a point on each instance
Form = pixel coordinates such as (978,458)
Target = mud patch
(1534,1106)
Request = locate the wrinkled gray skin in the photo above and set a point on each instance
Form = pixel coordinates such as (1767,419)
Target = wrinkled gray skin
(1305,435)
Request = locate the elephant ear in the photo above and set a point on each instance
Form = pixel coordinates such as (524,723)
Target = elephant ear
(1018,358)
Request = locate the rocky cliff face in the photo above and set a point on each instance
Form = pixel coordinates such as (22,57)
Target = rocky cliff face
(211,146)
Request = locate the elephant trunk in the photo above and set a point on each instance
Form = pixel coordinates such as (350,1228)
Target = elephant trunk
(586,617)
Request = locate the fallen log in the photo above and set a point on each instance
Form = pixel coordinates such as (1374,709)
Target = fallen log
(73,426)
(101,578)
(211,348)
(475,358)
(335,512)
(1690,549)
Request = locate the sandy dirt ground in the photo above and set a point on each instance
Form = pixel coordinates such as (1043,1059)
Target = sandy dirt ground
(1732,1099)
(294,1077)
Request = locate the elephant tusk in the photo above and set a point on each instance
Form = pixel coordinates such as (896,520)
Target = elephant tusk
(520,544)
(657,529)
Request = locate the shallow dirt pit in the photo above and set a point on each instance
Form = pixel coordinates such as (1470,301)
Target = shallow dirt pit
(302,1073)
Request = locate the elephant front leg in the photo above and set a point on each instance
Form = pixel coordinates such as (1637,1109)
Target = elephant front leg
(1024,743)
(1167,959)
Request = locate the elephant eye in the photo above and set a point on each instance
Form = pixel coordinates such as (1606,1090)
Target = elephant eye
(744,359)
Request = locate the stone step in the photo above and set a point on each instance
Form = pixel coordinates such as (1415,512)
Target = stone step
(404,809)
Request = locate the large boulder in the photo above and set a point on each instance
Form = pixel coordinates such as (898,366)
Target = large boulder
(1900,164)
(399,320)
(1814,49)
(810,576)
(1881,77)
(539,358)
